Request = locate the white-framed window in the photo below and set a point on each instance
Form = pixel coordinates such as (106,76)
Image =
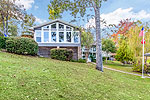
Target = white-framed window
(68,36)
(68,28)
(94,48)
(53,36)
(76,37)
(61,26)
(38,36)
(46,27)
(53,26)
(46,36)
(61,36)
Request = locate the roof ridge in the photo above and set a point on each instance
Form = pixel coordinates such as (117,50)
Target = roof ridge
(46,23)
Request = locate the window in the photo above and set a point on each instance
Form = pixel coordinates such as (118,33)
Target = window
(94,48)
(76,37)
(61,36)
(68,36)
(53,36)
(61,26)
(38,36)
(46,27)
(53,26)
(68,28)
(46,36)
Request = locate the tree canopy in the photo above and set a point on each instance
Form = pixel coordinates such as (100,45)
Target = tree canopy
(57,7)
(108,46)
(8,10)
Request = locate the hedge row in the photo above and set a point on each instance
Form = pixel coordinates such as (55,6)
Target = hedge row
(20,45)
(61,54)
(3,42)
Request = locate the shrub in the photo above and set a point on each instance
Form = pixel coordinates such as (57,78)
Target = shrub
(124,53)
(92,58)
(81,60)
(72,60)
(3,42)
(18,45)
(137,66)
(61,54)
(104,58)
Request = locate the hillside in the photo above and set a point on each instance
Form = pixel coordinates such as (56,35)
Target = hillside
(33,78)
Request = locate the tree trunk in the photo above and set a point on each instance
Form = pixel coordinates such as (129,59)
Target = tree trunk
(87,55)
(4,29)
(106,60)
(7,25)
(99,61)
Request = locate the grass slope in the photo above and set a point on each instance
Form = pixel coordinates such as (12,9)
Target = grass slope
(33,78)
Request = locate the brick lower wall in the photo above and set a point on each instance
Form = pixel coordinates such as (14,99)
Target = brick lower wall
(45,51)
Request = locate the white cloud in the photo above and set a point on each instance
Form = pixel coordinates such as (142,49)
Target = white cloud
(38,20)
(116,16)
(27,3)
(36,7)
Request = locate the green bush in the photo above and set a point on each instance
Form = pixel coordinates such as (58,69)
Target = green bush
(124,53)
(24,46)
(3,42)
(92,58)
(61,54)
(72,60)
(137,67)
(104,58)
(81,60)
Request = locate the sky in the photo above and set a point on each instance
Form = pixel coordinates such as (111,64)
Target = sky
(112,11)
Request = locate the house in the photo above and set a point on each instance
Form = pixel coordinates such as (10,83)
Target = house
(57,34)
(92,52)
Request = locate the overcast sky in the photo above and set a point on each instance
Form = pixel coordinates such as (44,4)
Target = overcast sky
(112,11)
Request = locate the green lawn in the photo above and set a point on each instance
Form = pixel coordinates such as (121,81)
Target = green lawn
(118,65)
(33,78)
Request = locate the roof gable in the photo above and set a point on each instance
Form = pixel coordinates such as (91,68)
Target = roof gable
(53,21)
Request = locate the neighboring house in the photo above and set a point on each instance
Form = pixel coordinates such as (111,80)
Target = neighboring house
(92,52)
(57,34)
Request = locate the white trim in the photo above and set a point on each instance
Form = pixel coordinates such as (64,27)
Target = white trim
(53,21)
(65,34)
(42,35)
(72,36)
(57,32)
(49,33)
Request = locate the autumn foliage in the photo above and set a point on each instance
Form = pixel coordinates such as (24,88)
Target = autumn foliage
(122,29)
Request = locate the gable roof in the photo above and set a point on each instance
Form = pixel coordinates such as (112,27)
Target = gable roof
(53,21)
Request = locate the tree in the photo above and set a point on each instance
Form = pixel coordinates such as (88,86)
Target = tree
(108,46)
(122,29)
(124,53)
(8,10)
(134,42)
(27,23)
(86,41)
(12,30)
(57,7)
